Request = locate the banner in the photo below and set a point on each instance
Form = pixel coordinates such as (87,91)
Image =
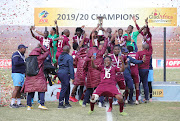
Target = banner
(169,63)
(70,17)
(161,92)
(5,63)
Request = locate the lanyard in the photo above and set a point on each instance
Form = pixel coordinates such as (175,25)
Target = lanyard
(120,40)
(117,61)
(79,39)
(96,42)
(22,56)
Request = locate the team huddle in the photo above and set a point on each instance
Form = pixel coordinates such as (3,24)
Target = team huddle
(109,66)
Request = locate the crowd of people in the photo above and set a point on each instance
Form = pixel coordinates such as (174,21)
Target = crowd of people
(109,66)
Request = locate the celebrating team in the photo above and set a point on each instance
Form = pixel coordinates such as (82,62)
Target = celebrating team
(103,61)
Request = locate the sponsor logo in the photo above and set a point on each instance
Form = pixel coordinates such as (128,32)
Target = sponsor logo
(157,93)
(5,63)
(43,17)
(157,17)
(169,63)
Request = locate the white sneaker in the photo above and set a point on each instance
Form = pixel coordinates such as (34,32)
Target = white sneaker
(115,102)
(83,105)
(100,105)
(126,101)
(42,107)
(29,108)
(137,102)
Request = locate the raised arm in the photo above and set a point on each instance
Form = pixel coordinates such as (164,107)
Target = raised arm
(148,31)
(150,46)
(103,50)
(57,31)
(92,36)
(114,37)
(40,33)
(82,41)
(92,62)
(32,33)
(116,41)
(137,26)
(128,37)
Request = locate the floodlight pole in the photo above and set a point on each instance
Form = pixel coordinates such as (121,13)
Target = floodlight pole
(164,54)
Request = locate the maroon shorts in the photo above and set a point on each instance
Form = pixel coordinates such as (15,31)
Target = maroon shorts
(107,90)
(135,78)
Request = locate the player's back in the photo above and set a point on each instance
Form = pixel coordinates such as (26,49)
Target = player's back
(62,42)
(148,54)
(133,67)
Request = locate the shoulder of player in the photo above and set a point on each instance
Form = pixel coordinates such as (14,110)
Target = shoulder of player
(70,57)
(15,54)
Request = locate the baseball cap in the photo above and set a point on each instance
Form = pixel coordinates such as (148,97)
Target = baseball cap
(22,46)
(125,50)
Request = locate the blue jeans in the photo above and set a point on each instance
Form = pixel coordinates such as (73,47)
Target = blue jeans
(65,88)
(31,95)
(89,92)
(143,73)
(129,83)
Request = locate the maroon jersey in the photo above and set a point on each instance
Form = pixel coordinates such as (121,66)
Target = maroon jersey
(78,40)
(111,45)
(134,67)
(108,74)
(148,54)
(122,40)
(148,35)
(107,86)
(97,43)
(61,44)
(116,62)
(45,42)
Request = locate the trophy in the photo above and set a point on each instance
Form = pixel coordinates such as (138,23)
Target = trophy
(100,18)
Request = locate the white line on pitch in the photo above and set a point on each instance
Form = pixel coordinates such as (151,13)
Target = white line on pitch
(108,114)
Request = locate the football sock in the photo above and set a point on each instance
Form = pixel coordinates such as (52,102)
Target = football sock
(126,94)
(18,101)
(137,94)
(121,106)
(13,101)
(92,106)
(110,101)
